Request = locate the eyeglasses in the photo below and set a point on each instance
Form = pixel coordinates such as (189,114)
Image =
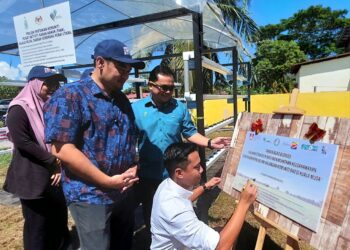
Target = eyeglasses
(51,84)
(123,68)
(163,88)
(51,88)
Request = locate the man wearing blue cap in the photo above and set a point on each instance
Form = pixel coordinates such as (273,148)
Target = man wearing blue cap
(90,125)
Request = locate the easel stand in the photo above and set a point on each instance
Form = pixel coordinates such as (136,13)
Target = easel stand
(291,108)
(334,228)
(292,240)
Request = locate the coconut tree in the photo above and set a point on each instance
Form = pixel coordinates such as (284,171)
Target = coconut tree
(235,14)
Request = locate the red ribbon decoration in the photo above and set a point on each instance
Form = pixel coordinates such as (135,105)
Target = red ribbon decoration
(315,133)
(257,126)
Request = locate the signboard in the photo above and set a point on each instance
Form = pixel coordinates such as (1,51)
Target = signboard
(292,175)
(333,231)
(45,36)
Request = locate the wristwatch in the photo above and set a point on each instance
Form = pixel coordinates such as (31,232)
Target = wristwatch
(205,188)
(209,144)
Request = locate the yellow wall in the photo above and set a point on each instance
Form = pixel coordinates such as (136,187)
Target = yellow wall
(315,104)
(326,103)
(318,104)
(217,110)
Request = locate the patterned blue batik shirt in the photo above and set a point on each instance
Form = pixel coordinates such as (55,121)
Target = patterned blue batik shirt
(158,128)
(101,127)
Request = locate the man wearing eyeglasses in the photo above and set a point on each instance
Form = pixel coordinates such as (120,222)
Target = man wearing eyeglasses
(161,121)
(90,124)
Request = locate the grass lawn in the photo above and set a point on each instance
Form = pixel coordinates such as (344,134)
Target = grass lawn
(222,209)
(4,162)
(11,221)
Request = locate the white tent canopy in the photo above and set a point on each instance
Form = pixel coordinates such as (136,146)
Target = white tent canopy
(140,38)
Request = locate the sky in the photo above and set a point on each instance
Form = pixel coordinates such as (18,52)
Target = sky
(266,12)
(262,11)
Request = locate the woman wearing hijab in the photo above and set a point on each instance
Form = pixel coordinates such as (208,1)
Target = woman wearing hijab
(34,173)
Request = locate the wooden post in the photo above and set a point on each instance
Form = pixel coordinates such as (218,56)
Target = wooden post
(292,242)
(291,109)
(261,238)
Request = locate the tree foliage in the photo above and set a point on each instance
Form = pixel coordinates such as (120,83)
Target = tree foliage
(235,13)
(272,64)
(315,30)
(7,92)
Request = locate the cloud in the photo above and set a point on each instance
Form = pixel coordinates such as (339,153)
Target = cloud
(24,72)
(10,72)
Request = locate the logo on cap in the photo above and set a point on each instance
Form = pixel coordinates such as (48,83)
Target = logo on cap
(126,50)
(48,70)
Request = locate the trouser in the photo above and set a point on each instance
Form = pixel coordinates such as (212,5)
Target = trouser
(105,227)
(145,190)
(45,221)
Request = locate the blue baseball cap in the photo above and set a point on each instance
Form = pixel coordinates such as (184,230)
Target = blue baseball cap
(117,51)
(43,72)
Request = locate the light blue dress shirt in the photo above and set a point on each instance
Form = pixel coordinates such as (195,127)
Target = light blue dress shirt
(158,128)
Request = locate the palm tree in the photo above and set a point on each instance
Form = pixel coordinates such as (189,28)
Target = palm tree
(235,14)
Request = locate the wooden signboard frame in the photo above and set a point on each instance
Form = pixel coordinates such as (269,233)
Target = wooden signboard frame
(334,229)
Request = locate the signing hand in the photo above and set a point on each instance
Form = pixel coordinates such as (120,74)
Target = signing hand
(249,193)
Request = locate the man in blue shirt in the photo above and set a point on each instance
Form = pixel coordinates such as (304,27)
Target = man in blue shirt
(161,121)
(90,125)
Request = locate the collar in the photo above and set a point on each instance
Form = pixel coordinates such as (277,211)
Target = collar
(92,85)
(182,192)
(96,90)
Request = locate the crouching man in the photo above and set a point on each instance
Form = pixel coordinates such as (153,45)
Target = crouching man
(174,224)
